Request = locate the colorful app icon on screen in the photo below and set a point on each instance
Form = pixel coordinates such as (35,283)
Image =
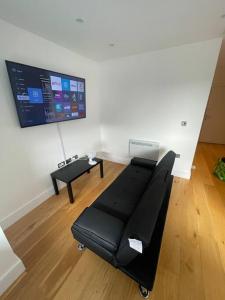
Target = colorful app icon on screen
(67,107)
(80,87)
(57,95)
(73,86)
(66,95)
(35,95)
(81,106)
(56,83)
(81,97)
(58,107)
(65,84)
(73,96)
(74,107)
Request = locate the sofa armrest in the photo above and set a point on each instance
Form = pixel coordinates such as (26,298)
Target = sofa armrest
(143,162)
(99,227)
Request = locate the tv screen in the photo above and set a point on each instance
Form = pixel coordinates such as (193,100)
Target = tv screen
(44,96)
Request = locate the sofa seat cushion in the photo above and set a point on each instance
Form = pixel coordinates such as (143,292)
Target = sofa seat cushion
(122,196)
(98,227)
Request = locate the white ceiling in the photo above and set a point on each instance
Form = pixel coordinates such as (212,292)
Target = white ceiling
(134,26)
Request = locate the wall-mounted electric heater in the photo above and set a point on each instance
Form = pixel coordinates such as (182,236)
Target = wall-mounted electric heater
(144,149)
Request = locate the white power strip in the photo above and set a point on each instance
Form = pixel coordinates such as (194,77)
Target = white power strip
(65,163)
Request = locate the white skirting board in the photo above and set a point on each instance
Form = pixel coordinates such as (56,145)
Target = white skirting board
(11,267)
(182,173)
(113,158)
(11,275)
(27,207)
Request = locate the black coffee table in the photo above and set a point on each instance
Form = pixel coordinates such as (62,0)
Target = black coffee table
(72,171)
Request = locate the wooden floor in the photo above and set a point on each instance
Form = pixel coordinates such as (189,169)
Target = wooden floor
(192,259)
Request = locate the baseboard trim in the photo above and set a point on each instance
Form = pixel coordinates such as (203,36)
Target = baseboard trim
(182,173)
(26,208)
(113,158)
(11,275)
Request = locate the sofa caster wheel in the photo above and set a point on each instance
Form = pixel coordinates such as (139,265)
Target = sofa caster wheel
(144,292)
(81,247)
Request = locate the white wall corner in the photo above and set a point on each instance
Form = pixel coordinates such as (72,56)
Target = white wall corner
(11,275)
(11,267)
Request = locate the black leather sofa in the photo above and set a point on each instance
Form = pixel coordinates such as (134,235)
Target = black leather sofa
(134,206)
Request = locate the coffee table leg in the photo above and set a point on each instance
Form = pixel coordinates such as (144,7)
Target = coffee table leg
(70,192)
(55,186)
(101,169)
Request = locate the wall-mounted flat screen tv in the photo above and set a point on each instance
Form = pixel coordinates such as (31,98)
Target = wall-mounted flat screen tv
(44,96)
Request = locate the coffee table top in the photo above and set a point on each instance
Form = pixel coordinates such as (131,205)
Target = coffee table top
(74,170)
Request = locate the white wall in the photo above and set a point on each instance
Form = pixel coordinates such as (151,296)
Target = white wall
(147,96)
(10,265)
(142,97)
(28,155)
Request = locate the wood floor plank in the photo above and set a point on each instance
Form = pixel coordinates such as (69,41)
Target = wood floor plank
(192,258)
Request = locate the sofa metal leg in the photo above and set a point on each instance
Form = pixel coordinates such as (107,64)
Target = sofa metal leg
(81,247)
(144,292)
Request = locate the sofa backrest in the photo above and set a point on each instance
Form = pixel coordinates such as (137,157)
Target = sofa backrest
(143,220)
(164,165)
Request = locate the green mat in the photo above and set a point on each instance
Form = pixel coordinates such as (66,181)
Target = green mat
(220,169)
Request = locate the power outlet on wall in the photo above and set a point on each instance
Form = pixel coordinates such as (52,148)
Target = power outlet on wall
(61,164)
(68,160)
(177,155)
